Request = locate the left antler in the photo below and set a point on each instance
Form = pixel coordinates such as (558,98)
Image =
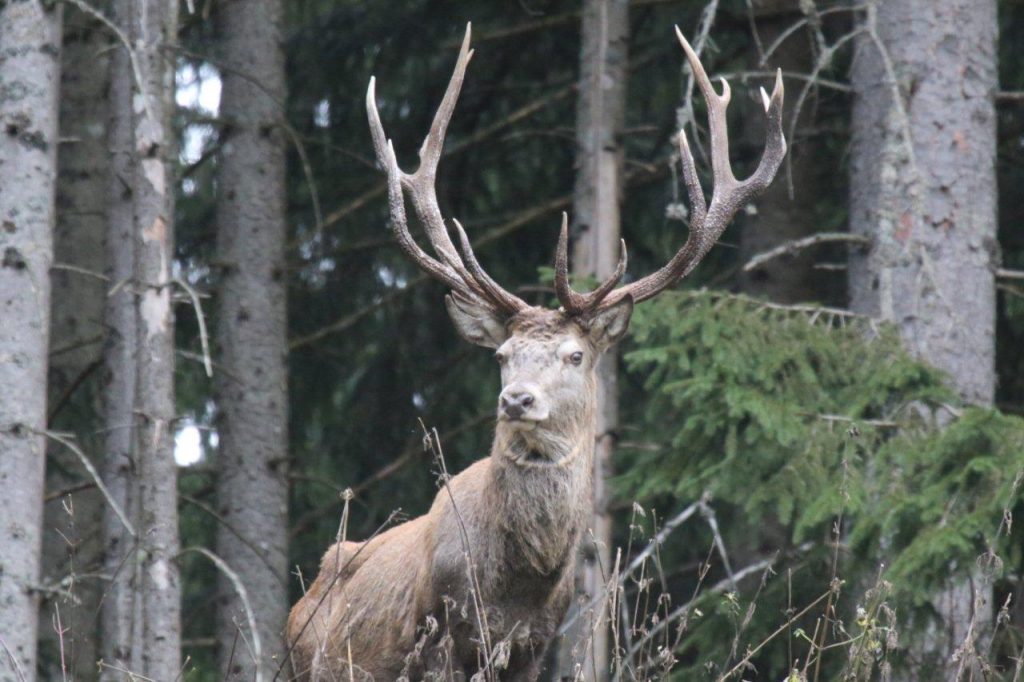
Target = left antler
(707,222)
(466,279)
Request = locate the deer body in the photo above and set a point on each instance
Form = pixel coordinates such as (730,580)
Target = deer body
(482,581)
(517,515)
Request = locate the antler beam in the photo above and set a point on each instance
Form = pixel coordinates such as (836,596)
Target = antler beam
(462,274)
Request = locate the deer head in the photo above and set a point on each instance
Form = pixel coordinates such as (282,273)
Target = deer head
(548,357)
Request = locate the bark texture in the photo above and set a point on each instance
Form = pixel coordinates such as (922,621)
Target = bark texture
(72,544)
(923,188)
(251,384)
(929,202)
(153,30)
(29,83)
(119,372)
(600,115)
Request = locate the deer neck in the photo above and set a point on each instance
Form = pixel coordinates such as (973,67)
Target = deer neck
(540,491)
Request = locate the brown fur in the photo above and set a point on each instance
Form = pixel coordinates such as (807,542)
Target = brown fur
(401,605)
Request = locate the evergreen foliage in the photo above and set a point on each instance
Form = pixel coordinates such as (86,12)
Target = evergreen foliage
(797,420)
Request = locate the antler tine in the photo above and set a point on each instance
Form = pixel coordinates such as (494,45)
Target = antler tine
(486,286)
(421,184)
(448,266)
(572,301)
(396,203)
(708,221)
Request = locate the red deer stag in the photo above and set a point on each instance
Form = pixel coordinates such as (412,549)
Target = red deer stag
(403,605)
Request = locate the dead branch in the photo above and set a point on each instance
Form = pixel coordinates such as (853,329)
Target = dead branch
(791,247)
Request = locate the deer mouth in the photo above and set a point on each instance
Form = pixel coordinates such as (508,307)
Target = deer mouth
(521,423)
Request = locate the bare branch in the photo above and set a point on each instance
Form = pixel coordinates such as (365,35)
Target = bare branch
(791,247)
(243,595)
(87,464)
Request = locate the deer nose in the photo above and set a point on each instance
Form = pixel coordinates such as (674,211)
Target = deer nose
(515,404)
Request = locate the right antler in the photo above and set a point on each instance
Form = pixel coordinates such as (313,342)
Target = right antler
(466,278)
(706,222)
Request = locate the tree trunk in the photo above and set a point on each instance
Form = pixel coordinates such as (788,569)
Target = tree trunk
(29,82)
(72,544)
(119,373)
(153,30)
(600,114)
(923,188)
(251,386)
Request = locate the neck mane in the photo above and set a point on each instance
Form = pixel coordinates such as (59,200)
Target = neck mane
(540,489)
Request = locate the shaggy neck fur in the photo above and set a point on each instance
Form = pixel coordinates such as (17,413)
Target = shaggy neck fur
(541,488)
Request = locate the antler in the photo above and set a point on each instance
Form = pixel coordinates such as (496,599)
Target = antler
(467,278)
(707,222)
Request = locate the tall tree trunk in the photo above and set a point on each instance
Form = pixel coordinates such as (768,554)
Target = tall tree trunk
(29,82)
(252,400)
(600,113)
(923,188)
(153,31)
(72,544)
(119,372)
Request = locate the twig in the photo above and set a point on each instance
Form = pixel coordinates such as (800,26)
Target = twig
(134,677)
(60,630)
(69,390)
(1006,273)
(806,77)
(719,587)
(791,247)
(307,169)
(243,595)
(126,42)
(234,531)
(70,445)
(76,488)
(1010,96)
(204,339)
(14,662)
(824,60)
(80,270)
(782,628)
(709,515)
(637,562)
(797,25)
(881,423)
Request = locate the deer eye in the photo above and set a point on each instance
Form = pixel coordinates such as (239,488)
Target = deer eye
(576,358)
(500,357)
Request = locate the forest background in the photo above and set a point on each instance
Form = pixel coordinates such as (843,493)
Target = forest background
(813,452)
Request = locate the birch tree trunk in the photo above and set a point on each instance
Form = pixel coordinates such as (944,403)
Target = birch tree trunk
(252,386)
(119,368)
(72,543)
(600,113)
(29,83)
(153,30)
(923,188)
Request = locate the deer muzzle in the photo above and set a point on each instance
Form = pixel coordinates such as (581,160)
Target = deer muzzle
(521,403)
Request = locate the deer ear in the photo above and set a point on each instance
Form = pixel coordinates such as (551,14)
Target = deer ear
(476,323)
(610,325)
